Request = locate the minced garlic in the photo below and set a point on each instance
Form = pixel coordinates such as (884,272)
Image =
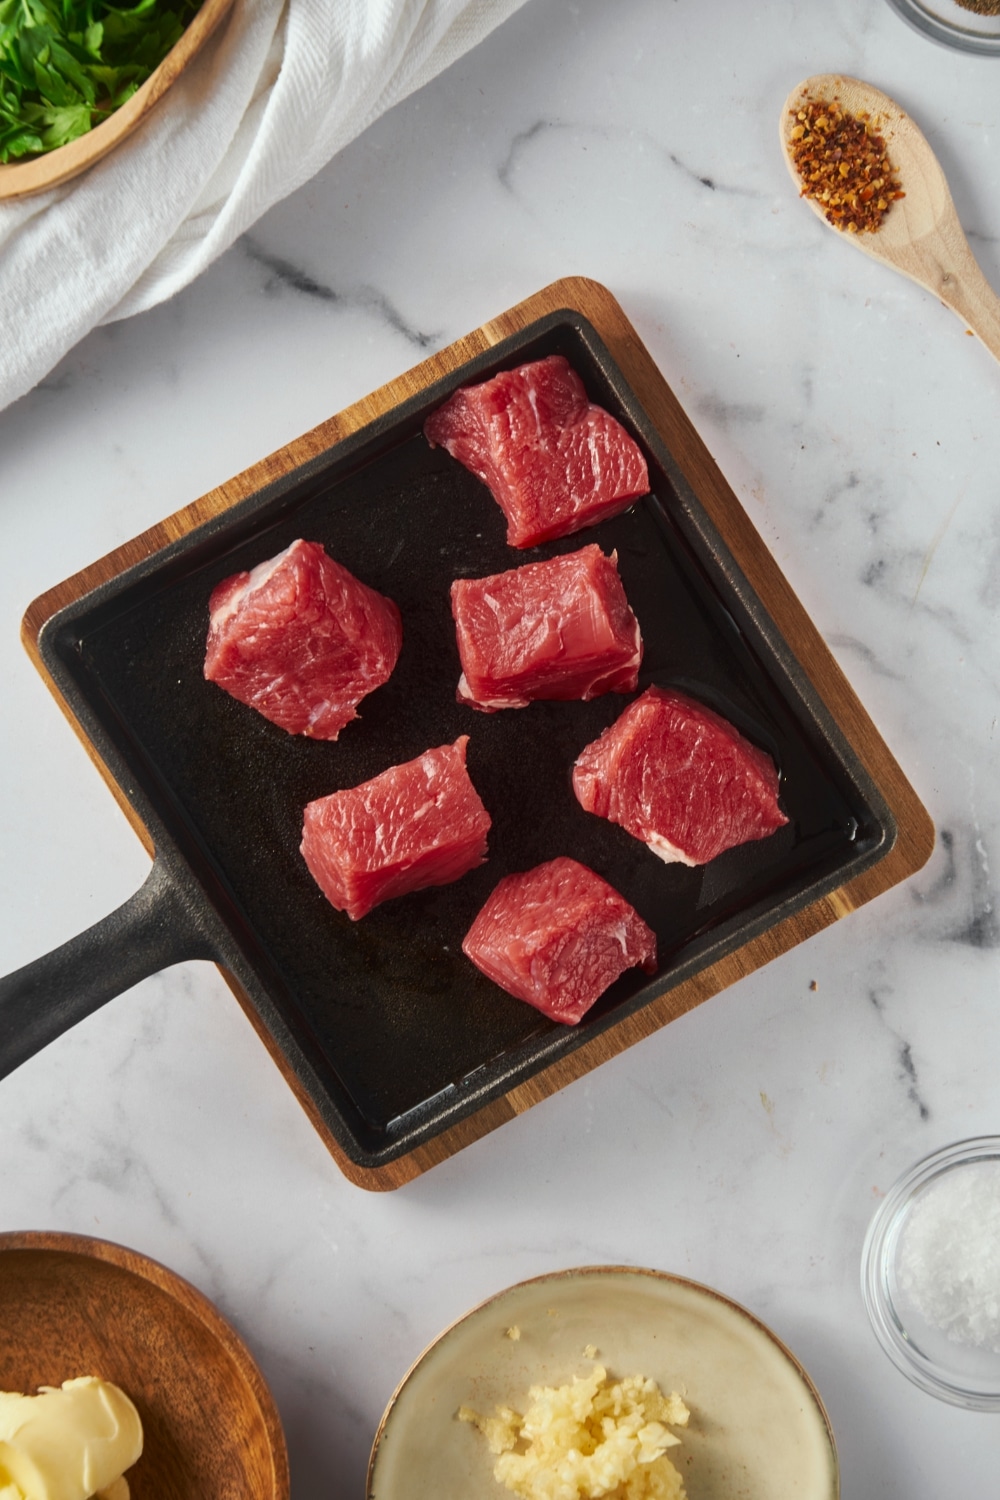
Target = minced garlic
(595,1437)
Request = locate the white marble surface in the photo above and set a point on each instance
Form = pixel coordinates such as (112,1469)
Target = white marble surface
(747,1144)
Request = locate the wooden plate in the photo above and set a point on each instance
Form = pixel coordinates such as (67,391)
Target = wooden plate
(74,1306)
(17,179)
(758,1429)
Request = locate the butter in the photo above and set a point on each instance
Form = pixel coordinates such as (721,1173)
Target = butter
(69,1443)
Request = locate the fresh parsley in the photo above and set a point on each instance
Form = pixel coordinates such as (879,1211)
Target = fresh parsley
(65,65)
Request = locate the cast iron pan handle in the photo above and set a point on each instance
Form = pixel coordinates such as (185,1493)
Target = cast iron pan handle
(155,928)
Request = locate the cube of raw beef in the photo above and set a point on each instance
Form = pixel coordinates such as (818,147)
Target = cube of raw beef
(301,640)
(679,777)
(418,824)
(553,460)
(556,629)
(557,936)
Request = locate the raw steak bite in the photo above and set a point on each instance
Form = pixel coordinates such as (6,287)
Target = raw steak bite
(557,629)
(679,777)
(558,936)
(301,640)
(418,824)
(553,460)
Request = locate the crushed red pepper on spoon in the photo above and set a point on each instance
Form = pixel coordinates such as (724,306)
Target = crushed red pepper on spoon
(844,165)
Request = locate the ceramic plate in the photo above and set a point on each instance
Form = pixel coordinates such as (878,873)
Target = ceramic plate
(73,1306)
(758,1430)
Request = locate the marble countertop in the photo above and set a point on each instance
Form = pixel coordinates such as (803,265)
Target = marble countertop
(747,1144)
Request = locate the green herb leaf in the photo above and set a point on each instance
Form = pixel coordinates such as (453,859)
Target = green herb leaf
(64,125)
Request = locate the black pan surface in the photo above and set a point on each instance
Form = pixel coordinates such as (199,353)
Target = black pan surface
(388,1026)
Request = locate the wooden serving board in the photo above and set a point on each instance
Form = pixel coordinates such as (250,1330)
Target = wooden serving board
(907,854)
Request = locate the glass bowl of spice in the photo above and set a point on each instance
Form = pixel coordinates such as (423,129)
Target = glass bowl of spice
(969,25)
(930,1274)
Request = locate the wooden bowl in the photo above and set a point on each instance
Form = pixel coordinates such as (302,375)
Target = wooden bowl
(74,1306)
(40,172)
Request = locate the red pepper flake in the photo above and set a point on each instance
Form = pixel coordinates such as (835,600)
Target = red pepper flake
(844,165)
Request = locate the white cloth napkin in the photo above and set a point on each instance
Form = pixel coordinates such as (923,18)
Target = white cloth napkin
(283,86)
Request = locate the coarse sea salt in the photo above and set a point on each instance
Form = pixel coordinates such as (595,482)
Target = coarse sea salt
(949,1254)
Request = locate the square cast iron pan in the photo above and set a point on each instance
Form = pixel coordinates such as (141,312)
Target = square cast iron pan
(388,1034)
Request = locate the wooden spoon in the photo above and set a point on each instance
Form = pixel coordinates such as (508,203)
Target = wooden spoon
(920,234)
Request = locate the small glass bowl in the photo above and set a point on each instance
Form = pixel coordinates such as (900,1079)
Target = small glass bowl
(965,1374)
(951,24)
